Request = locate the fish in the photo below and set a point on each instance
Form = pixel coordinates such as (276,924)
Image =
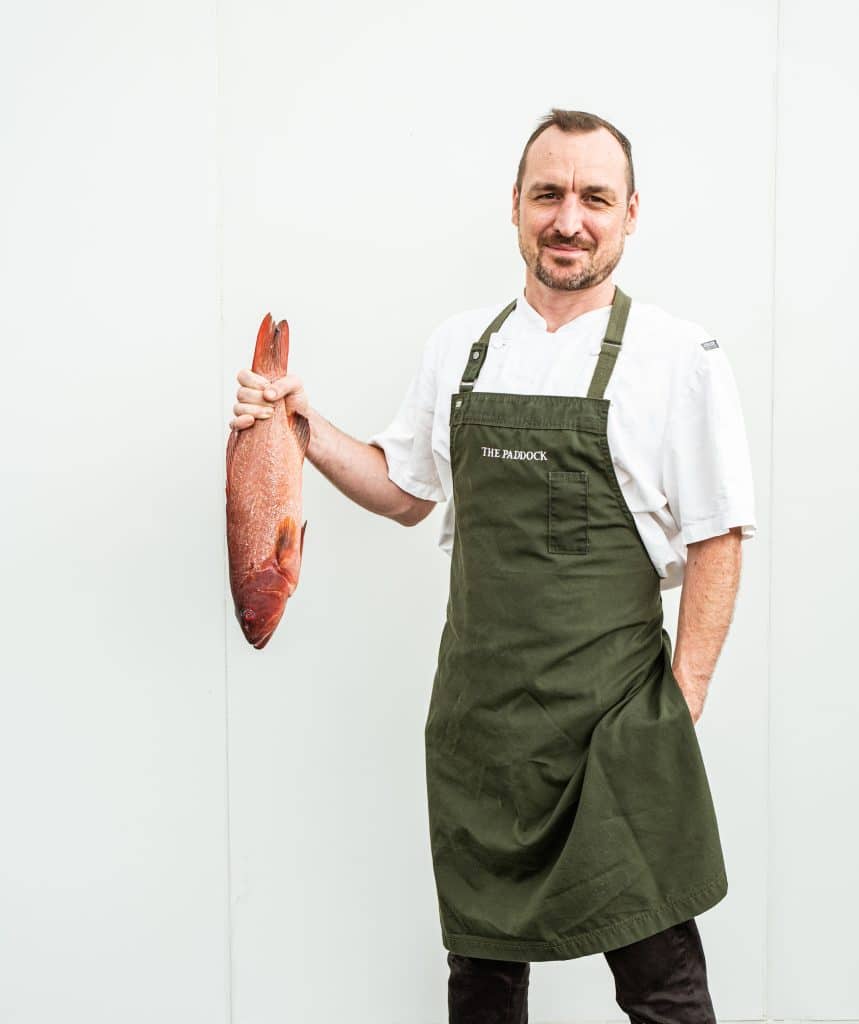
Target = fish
(263,492)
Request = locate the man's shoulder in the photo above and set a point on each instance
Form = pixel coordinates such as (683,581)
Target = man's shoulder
(460,330)
(656,326)
(471,321)
(673,346)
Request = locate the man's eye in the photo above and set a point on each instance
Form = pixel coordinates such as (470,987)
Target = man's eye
(547,195)
(596,199)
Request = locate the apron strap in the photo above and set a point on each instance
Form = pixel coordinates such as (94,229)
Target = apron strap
(477,355)
(610,348)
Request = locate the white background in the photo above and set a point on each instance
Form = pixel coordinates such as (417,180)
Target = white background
(194,831)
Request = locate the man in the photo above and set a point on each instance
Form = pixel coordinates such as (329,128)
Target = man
(592,452)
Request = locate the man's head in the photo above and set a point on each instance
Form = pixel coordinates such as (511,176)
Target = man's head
(574,200)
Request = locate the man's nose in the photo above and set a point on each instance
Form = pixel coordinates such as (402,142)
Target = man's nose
(568,219)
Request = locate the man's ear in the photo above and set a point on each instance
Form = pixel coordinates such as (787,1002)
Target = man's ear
(632,213)
(515,213)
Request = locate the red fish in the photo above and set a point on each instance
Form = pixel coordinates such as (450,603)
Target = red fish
(264,465)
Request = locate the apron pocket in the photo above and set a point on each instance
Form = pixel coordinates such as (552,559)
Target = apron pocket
(568,512)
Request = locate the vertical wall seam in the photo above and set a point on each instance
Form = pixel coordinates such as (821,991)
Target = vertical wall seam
(219,300)
(768,895)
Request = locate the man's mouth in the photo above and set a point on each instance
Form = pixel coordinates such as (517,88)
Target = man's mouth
(563,247)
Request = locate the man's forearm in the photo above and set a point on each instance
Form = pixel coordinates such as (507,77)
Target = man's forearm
(710,584)
(360,471)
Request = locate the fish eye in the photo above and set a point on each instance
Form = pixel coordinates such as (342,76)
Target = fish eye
(248,614)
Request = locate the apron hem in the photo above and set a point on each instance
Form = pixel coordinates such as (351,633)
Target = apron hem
(599,940)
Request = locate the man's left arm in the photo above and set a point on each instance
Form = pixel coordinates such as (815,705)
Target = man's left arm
(710,583)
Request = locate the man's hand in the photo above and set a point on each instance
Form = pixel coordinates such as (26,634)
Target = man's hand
(257,395)
(695,703)
(710,584)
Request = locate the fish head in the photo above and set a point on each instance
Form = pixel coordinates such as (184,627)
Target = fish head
(260,598)
(259,604)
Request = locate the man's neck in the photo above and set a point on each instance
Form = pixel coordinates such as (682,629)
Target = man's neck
(558,307)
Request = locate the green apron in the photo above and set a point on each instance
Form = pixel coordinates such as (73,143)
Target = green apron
(569,807)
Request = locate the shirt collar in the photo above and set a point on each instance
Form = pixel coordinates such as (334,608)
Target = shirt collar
(595,320)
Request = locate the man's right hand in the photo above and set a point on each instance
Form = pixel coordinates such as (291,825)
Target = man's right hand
(257,397)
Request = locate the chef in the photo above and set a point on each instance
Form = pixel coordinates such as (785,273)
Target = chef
(591,451)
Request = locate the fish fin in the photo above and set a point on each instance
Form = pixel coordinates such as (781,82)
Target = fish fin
(301,429)
(285,542)
(272,348)
(303,528)
(232,442)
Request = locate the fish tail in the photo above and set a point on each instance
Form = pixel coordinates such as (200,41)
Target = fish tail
(272,348)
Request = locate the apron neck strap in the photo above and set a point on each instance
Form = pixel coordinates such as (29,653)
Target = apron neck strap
(477,355)
(610,348)
(608,351)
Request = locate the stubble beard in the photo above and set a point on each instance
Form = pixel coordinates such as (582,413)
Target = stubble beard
(595,271)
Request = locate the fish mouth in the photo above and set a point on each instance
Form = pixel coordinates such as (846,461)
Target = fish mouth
(256,638)
(264,640)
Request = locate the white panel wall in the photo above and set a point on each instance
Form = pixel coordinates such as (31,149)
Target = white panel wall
(197,831)
(814,760)
(113,856)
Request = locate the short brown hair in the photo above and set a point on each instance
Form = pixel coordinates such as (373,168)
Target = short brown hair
(578,122)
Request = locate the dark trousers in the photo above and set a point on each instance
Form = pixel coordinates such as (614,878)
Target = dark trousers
(658,980)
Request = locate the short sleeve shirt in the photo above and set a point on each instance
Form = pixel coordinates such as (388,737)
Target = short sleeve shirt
(675,426)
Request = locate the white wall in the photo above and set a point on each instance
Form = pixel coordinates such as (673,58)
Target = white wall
(814,760)
(197,831)
(113,858)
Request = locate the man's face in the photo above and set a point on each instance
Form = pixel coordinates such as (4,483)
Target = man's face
(573,214)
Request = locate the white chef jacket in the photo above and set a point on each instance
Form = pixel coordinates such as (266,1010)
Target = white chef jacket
(675,425)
